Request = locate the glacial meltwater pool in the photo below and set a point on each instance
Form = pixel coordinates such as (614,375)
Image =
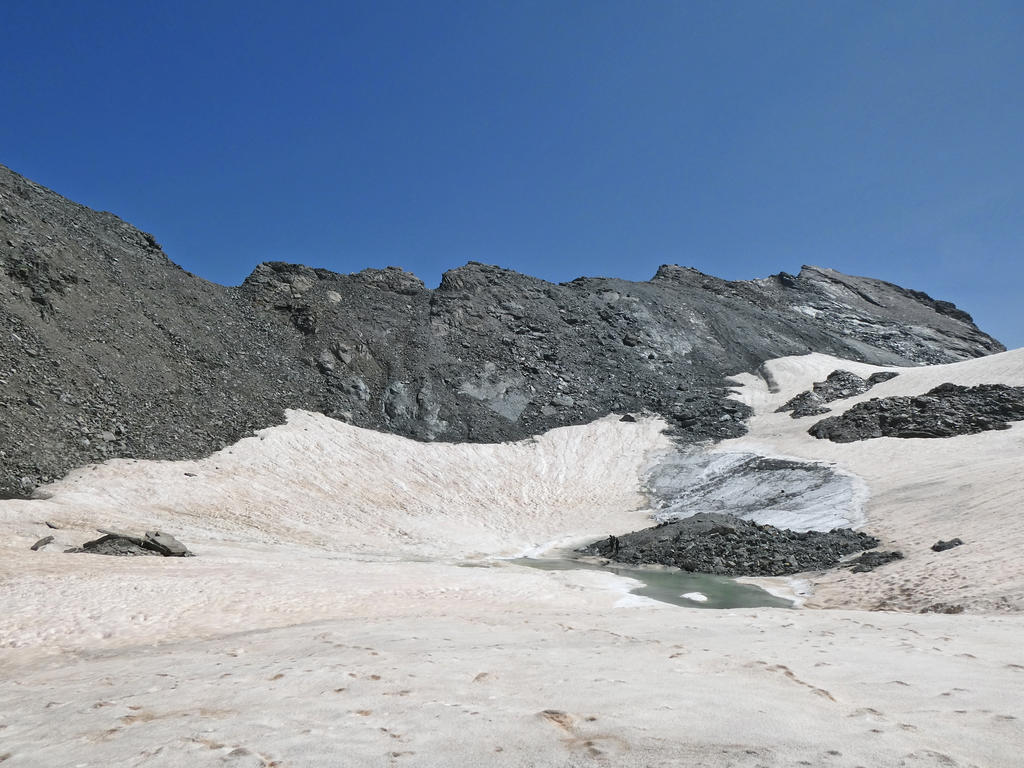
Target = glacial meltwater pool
(671,585)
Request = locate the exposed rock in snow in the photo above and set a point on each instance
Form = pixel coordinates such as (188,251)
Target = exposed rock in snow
(123,544)
(837,386)
(871,560)
(945,411)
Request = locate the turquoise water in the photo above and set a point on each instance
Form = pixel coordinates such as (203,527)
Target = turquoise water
(670,584)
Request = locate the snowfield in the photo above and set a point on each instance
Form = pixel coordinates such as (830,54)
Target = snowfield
(350,604)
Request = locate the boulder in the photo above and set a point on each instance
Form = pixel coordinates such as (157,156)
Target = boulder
(871,560)
(154,543)
(114,544)
(166,545)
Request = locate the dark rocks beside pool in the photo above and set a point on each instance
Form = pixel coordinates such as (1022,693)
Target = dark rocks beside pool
(726,545)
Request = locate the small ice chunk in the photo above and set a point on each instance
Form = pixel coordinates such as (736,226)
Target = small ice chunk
(697,597)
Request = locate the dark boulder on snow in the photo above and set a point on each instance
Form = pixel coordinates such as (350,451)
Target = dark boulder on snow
(153,543)
(871,560)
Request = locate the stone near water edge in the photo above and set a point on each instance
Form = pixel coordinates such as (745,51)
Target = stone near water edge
(730,546)
(942,546)
(41,543)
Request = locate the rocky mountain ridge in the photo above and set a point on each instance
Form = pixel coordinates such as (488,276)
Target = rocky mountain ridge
(109,349)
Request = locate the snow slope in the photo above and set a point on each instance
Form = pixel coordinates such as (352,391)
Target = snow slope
(347,607)
(921,490)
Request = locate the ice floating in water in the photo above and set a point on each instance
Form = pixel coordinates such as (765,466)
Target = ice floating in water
(698,597)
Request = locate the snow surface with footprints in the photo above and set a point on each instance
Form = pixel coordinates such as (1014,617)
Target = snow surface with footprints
(351,604)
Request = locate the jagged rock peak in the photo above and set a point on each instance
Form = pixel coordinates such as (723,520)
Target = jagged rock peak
(389,278)
(677,272)
(476,275)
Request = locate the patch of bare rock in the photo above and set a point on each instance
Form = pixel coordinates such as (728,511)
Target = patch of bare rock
(838,385)
(947,410)
(152,543)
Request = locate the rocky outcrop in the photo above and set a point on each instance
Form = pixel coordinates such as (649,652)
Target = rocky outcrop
(838,385)
(946,411)
(115,543)
(729,546)
(111,350)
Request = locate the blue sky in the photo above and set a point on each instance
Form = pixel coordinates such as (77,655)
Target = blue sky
(556,138)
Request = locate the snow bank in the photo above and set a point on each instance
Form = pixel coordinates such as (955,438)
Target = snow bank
(921,490)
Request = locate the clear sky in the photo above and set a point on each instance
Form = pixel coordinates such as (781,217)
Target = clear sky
(556,138)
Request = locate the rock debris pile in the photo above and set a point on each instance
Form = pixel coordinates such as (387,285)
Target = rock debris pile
(154,543)
(730,546)
(838,385)
(946,411)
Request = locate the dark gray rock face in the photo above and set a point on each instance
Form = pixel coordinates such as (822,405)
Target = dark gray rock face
(942,546)
(111,350)
(838,385)
(729,546)
(946,411)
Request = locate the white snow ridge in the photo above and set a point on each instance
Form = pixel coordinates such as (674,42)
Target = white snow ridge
(330,616)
